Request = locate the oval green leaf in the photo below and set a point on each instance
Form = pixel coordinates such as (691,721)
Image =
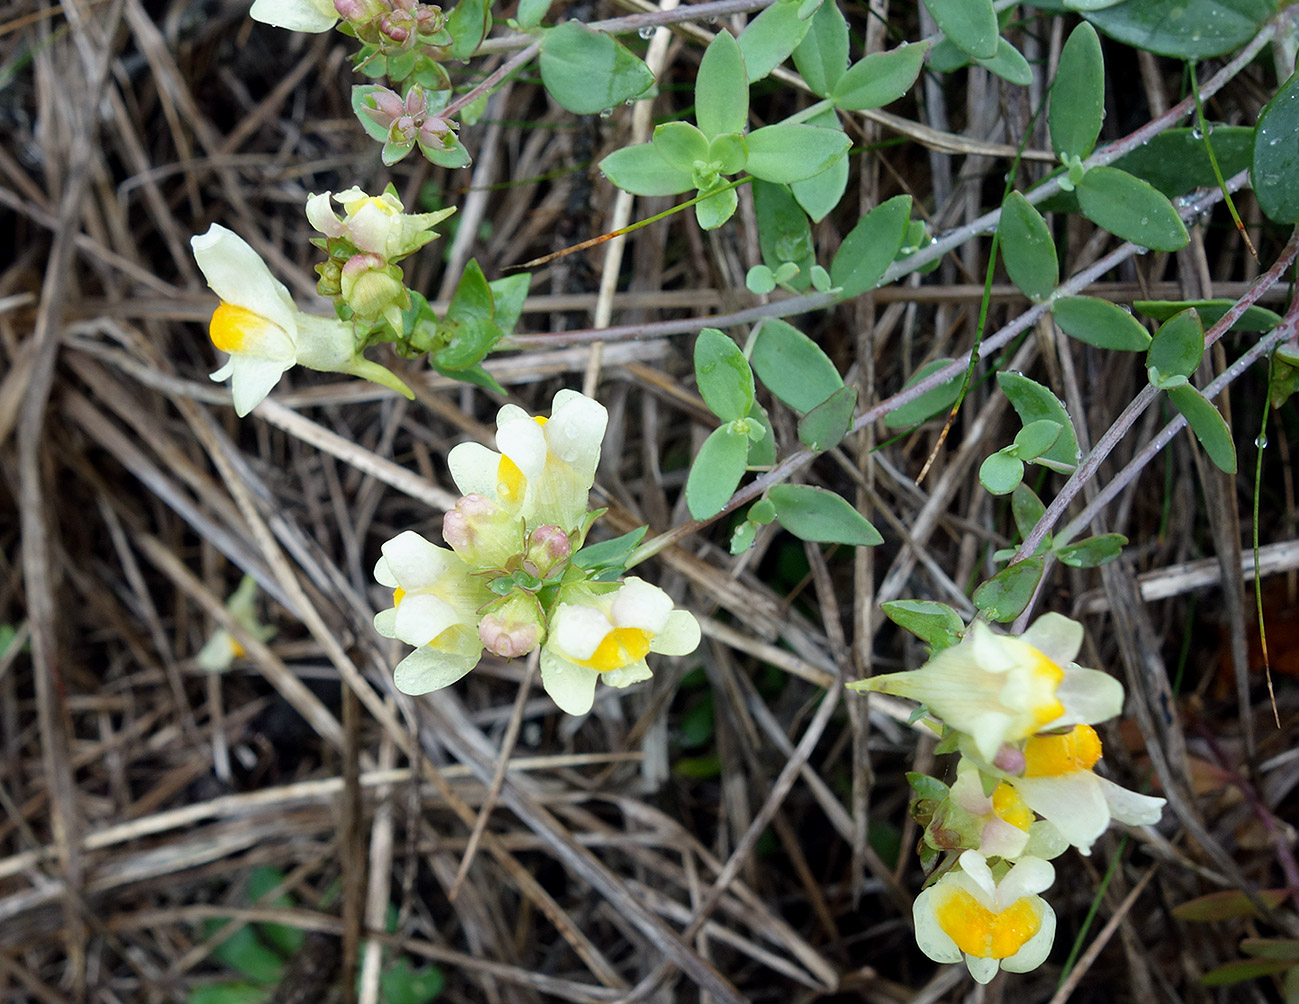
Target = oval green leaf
(821,193)
(870,247)
(716,472)
(1078,94)
(1092,552)
(1131,208)
(1027,509)
(1275,172)
(931,402)
(936,624)
(680,144)
(1004,596)
(588,71)
(770,37)
(824,427)
(786,153)
(1178,345)
(1036,438)
(723,375)
(880,78)
(784,234)
(1184,29)
(716,209)
(792,366)
(1207,423)
(1176,161)
(1001,473)
(1009,64)
(822,56)
(642,170)
(1027,248)
(1032,402)
(721,88)
(815,514)
(971,25)
(1099,322)
(1255,318)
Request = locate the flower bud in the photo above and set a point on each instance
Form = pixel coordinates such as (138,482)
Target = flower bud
(548,547)
(374,289)
(482,533)
(513,627)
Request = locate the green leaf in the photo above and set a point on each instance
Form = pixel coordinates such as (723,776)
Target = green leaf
(716,471)
(786,153)
(1004,596)
(723,375)
(1175,161)
(821,193)
(743,536)
(971,25)
(467,342)
(1271,948)
(508,296)
(1275,171)
(261,880)
(792,366)
(760,280)
(1254,318)
(1285,375)
(609,553)
(1207,423)
(1036,438)
(770,37)
(1240,970)
(880,78)
(931,402)
(1027,509)
(824,427)
(1178,345)
(1099,322)
(762,451)
(1078,94)
(815,514)
(1001,473)
(784,234)
(588,71)
(822,56)
(1027,248)
(642,170)
(362,102)
(715,210)
(245,953)
(729,152)
(1184,29)
(229,993)
(400,983)
(722,88)
(531,13)
(680,144)
(1031,402)
(1131,208)
(1092,552)
(870,246)
(473,297)
(922,784)
(1228,904)
(1009,64)
(467,25)
(936,624)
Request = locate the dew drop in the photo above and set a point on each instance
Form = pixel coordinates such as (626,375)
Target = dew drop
(646,33)
(1261,442)
(606,113)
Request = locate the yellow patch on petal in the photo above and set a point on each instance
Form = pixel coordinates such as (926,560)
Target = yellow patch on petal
(541,419)
(1047,676)
(510,482)
(397,595)
(621,647)
(1052,756)
(236,649)
(982,933)
(1007,804)
(230,326)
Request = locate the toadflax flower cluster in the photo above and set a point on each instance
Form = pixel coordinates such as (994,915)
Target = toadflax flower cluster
(1020,712)
(507,583)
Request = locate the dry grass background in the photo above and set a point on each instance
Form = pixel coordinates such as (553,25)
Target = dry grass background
(735,830)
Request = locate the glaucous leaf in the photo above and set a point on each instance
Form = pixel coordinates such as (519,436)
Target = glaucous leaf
(1092,552)
(1009,64)
(786,153)
(822,56)
(1036,438)
(1184,29)
(762,449)
(1027,509)
(1175,161)
(716,209)
(729,151)
(936,624)
(971,25)
(723,376)
(1032,402)
(1004,596)
(508,296)
(1255,318)
(1275,171)
(1207,423)
(716,472)
(642,170)
(770,37)
(821,193)
(722,88)
(792,366)
(611,553)
(1099,322)
(680,144)
(1131,208)
(467,25)
(531,13)
(815,514)
(589,71)
(932,402)
(870,246)
(784,234)
(1001,473)
(1027,248)
(824,427)
(1078,94)
(1178,345)
(880,78)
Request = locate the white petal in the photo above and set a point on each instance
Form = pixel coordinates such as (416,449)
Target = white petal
(474,469)
(383,574)
(988,729)
(1000,839)
(421,617)
(981,883)
(1055,636)
(525,444)
(1131,807)
(385,622)
(237,274)
(570,686)
(1035,950)
(415,562)
(633,672)
(322,216)
(638,604)
(312,16)
(224,372)
(575,431)
(1029,877)
(577,631)
(932,939)
(1072,802)
(1088,696)
(988,649)
(251,379)
(983,970)
(680,636)
(426,669)
(512,413)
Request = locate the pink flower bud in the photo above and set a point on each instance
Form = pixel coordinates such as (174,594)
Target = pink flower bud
(548,546)
(508,640)
(1010,759)
(482,533)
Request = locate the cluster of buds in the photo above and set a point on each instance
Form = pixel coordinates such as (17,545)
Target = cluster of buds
(507,582)
(401,23)
(413,120)
(1020,712)
(364,247)
(262,330)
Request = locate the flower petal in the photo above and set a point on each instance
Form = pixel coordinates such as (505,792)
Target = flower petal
(525,444)
(570,686)
(640,605)
(983,970)
(474,468)
(932,939)
(312,16)
(1131,807)
(237,274)
(576,429)
(577,631)
(625,676)
(383,574)
(1055,636)
(251,379)
(385,622)
(414,562)
(1072,802)
(1088,696)
(428,669)
(1035,950)
(680,635)
(421,617)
